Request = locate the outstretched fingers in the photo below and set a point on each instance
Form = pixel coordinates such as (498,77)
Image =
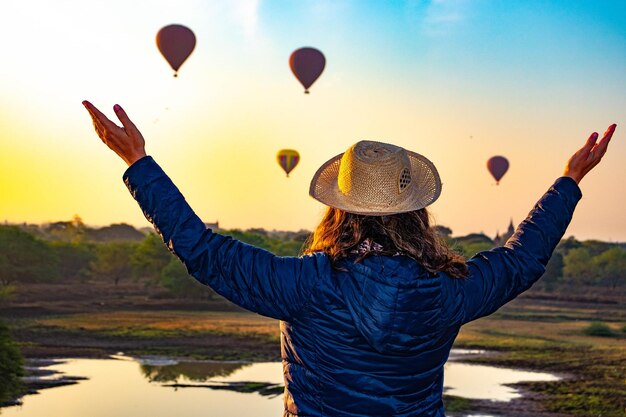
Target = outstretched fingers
(99,119)
(590,155)
(591,142)
(585,151)
(129,126)
(593,150)
(97,125)
(95,114)
(94,118)
(601,147)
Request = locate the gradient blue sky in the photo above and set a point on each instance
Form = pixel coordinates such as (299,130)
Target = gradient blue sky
(458,81)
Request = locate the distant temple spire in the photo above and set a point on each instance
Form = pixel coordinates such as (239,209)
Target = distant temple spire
(500,240)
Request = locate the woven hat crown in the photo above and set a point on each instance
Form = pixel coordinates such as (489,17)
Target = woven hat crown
(376,178)
(371,171)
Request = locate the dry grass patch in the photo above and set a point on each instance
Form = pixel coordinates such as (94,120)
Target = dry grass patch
(168,321)
(536,333)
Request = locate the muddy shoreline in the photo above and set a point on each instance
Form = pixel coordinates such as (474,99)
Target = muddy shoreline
(40,359)
(528,334)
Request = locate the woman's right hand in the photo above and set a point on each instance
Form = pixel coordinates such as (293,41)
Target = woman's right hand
(588,156)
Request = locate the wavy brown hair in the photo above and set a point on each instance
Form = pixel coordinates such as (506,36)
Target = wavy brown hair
(340,232)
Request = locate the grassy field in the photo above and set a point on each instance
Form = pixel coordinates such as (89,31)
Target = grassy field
(529,333)
(201,335)
(548,335)
(168,323)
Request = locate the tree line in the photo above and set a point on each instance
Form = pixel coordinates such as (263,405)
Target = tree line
(65,252)
(575,266)
(69,251)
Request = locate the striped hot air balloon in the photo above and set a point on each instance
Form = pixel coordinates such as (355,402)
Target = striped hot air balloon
(288,159)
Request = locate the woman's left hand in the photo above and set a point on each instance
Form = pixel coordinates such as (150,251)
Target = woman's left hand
(126,141)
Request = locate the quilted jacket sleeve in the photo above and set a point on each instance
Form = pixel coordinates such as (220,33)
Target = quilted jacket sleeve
(499,275)
(250,277)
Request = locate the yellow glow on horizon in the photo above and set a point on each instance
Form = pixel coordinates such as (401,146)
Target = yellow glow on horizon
(216,128)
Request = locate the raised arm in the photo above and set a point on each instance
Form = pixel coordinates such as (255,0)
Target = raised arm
(499,275)
(253,278)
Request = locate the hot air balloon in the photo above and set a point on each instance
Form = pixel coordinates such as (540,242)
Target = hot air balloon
(176,42)
(307,65)
(288,159)
(497,166)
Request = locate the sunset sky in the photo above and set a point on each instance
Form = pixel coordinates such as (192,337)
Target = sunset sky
(457,81)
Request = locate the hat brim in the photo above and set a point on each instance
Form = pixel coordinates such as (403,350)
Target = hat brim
(424,189)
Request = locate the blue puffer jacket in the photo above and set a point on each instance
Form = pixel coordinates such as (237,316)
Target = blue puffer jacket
(370,341)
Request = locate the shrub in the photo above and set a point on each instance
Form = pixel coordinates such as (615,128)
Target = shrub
(599,329)
(6,291)
(11,366)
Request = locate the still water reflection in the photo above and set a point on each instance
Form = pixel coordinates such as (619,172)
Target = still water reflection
(127,386)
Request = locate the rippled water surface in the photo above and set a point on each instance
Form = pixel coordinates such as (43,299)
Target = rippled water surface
(161,387)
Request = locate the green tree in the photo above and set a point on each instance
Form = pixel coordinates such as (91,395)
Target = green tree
(278,242)
(11,366)
(471,244)
(471,249)
(611,267)
(287,248)
(24,258)
(150,257)
(578,268)
(112,261)
(175,278)
(74,258)
(260,240)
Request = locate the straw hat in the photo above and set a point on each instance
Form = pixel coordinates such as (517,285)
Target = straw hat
(376,179)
